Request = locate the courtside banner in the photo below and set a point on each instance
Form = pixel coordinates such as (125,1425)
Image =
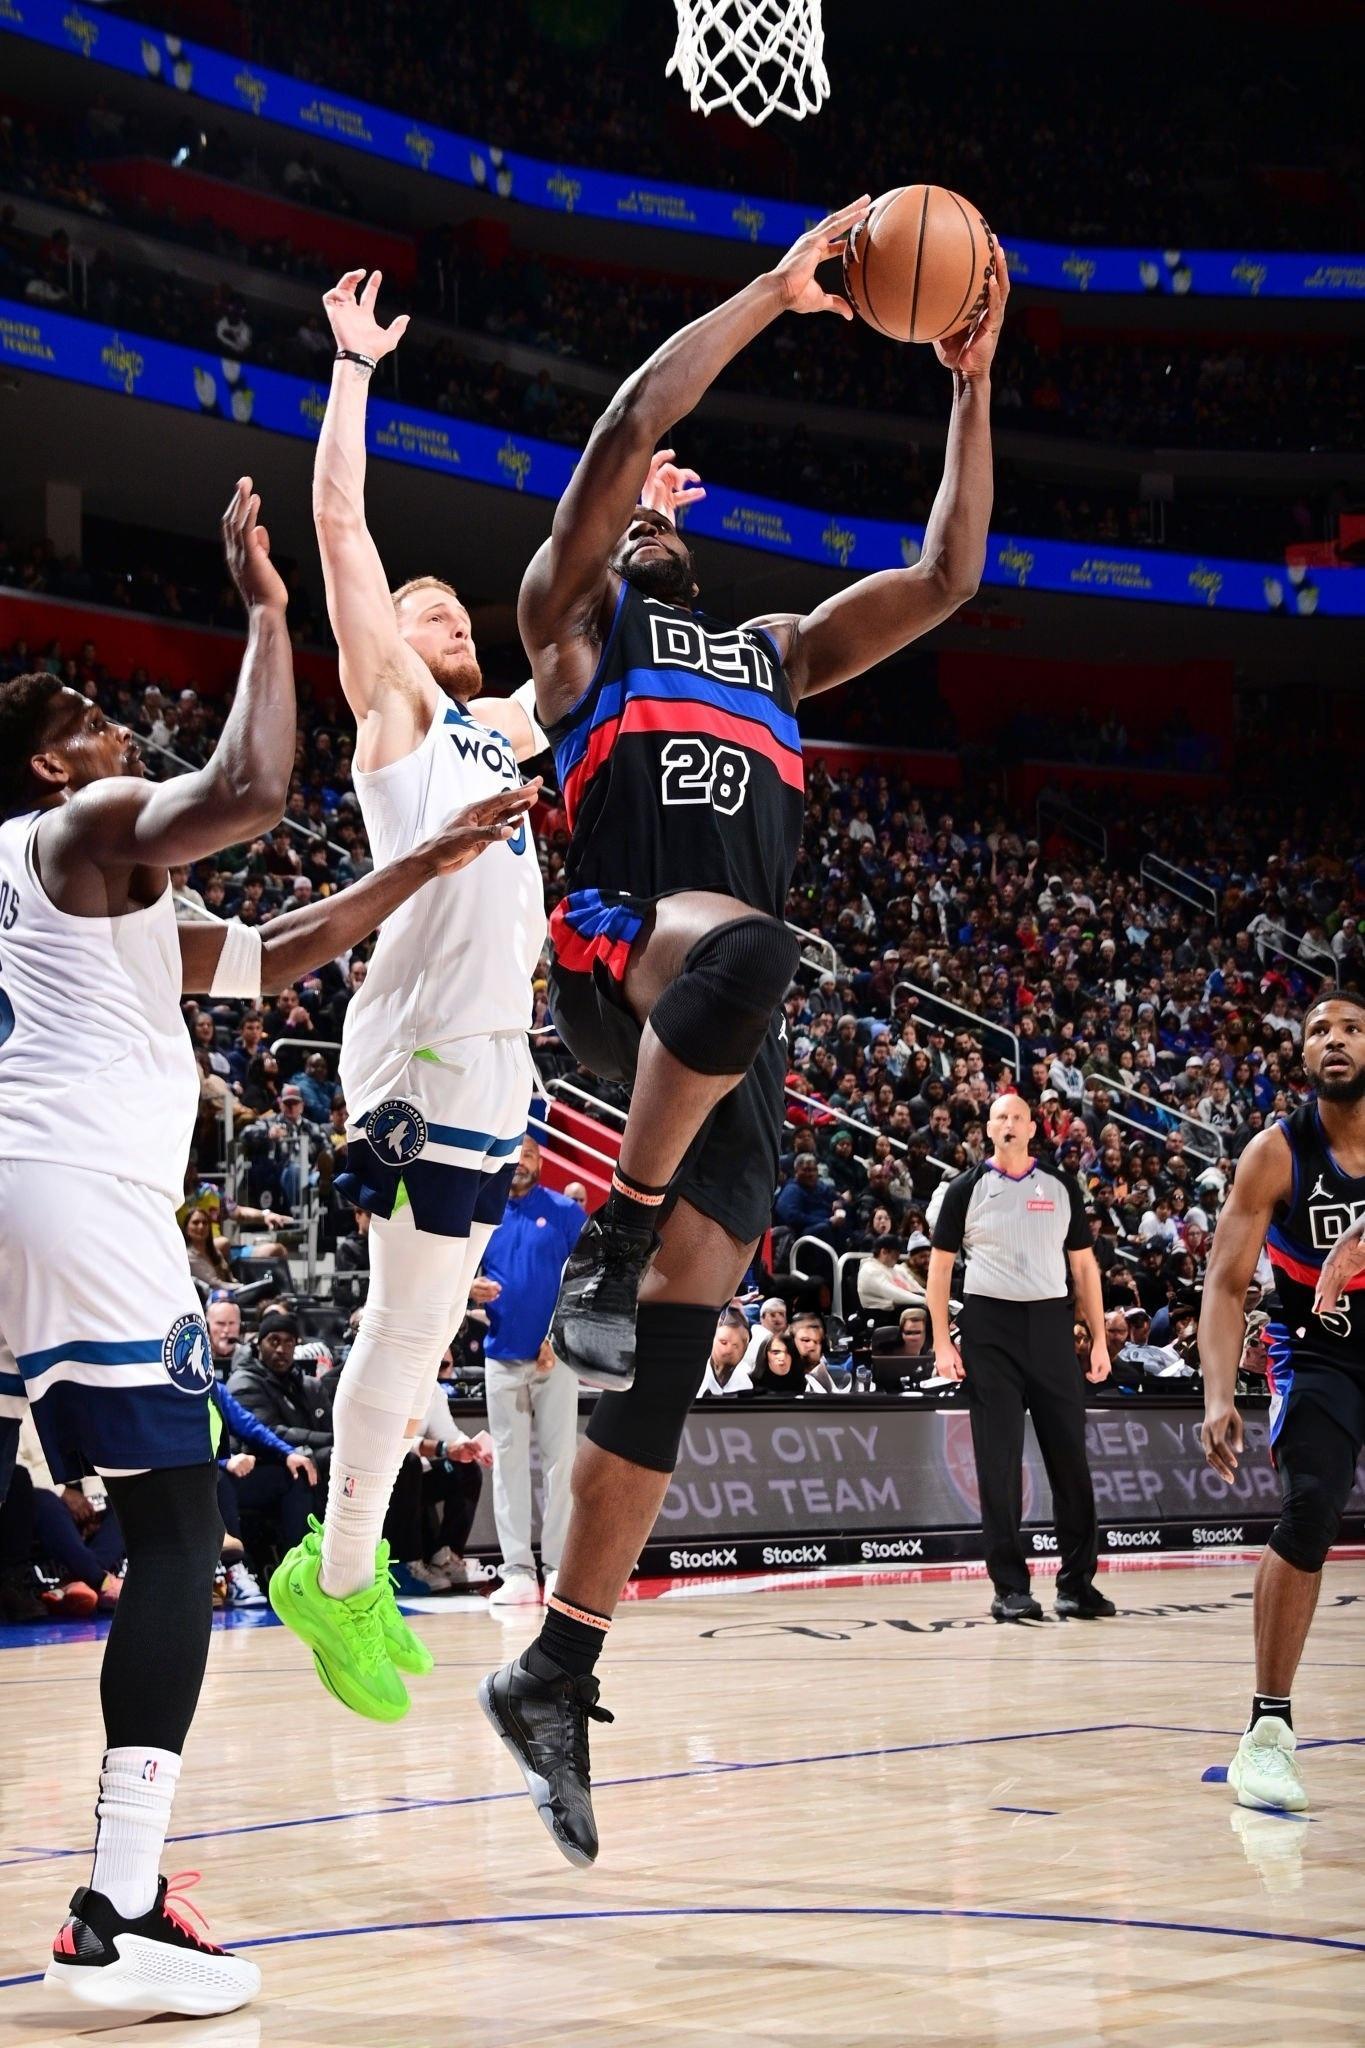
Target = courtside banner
(878,1484)
(194,69)
(139,367)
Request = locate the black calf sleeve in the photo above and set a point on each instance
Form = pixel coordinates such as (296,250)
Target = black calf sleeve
(716,1014)
(645,1424)
(159,1643)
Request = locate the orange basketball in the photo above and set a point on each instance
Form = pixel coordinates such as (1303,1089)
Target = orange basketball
(917,268)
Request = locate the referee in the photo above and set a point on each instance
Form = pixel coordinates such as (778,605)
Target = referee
(1019,1223)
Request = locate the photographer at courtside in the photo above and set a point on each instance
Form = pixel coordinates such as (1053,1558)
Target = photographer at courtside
(1020,1225)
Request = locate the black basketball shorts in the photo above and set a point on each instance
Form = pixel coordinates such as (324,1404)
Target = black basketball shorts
(730,1170)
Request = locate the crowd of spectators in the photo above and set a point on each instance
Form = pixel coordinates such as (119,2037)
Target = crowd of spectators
(1138,154)
(1130,391)
(1153,1041)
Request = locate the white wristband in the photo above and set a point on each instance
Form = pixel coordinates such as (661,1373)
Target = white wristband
(238,972)
(525,701)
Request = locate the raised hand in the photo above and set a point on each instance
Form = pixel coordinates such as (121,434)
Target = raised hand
(820,244)
(972,352)
(478,825)
(246,544)
(667,487)
(352,316)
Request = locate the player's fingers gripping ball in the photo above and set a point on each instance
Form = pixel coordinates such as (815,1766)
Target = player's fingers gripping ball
(919,266)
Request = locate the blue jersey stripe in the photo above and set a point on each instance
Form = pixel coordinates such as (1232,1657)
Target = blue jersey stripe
(1283,1242)
(144,1351)
(474,1141)
(11,1383)
(678,685)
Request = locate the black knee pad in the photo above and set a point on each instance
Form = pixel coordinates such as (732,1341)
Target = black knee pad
(715,1016)
(645,1424)
(1310,1518)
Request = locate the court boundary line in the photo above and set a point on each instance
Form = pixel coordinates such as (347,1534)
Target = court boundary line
(570,1915)
(399,1804)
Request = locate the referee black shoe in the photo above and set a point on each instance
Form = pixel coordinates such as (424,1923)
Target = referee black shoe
(544,1722)
(1015,1607)
(1087,1605)
(594,1321)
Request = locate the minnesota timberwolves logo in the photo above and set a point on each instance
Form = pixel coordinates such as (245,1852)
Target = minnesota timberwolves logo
(186,1355)
(397,1131)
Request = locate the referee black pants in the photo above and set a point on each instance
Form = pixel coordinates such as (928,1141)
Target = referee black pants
(1020,1359)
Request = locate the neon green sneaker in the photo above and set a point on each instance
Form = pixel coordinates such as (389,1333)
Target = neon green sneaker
(350,1649)
(405,1646)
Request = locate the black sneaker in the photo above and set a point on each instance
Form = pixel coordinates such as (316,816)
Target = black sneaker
(1087,1605)
(1016,1607)
(19,1600)
(544,1722)
(594,1322)
(156,1963)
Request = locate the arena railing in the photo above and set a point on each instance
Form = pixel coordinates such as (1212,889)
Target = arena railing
(817,952)
(309,1206)
(1163,874)
(593,1103)
(1079,824)
(184,767)
(1202,1138)
(856,1125)
(985,1028)
(1265,944)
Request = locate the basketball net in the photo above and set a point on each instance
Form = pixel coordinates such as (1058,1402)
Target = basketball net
(758,56)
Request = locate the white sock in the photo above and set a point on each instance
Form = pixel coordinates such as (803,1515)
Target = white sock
(137,1787)
(369,1448)
(386,1382)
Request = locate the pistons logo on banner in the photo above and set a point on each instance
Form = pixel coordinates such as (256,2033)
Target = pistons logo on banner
(959,1462)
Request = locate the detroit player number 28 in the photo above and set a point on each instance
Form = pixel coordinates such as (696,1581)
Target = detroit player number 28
(1300,1191)
(679,755)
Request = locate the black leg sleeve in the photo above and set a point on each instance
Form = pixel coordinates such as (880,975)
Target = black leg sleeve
(991,1334)
(159,1643)
(403,1522)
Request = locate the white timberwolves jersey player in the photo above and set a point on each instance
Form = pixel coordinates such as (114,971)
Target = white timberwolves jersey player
(101,1331)
(434,1061)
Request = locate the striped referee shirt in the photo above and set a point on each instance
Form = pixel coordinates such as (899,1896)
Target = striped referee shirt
(1014,1230)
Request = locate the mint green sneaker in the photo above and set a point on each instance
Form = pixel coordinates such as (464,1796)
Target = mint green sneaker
(406,1648)
(1263,1773)
(347,1637)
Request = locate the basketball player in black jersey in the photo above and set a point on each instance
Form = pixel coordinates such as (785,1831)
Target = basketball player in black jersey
(678,752)
(1300,1189)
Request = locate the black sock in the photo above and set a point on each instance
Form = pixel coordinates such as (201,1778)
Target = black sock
(633,1204)
(1270,1703)
(566,1644)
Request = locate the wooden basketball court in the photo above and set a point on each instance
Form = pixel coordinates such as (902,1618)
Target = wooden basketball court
(847,1812)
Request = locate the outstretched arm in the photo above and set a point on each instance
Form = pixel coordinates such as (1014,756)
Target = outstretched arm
(303,940)
(879,615)
(1264,1178)
(564,587)
(121,822)
(380,674)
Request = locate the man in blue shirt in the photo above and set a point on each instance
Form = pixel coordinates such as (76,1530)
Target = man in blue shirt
(524,1383)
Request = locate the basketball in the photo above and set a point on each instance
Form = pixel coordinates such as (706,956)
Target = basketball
(917,268)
